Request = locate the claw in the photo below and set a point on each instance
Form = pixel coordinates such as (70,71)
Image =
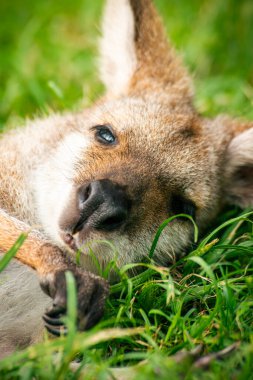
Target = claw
(52,321)
(56,331)
(56,311)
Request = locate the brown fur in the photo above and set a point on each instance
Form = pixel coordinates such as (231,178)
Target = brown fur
(163,149)
(35,250)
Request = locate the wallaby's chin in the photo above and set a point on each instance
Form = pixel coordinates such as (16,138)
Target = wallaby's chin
(102,248)
(126,248)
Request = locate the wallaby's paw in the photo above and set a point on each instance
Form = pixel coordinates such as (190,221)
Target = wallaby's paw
(92,292)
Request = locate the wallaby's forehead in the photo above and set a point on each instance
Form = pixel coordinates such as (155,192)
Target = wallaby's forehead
(149,135)
(145,120)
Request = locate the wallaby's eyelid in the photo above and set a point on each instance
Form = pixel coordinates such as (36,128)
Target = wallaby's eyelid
(105,135)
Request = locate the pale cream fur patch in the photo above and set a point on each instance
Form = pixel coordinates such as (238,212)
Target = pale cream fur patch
(53,182)
(118,57)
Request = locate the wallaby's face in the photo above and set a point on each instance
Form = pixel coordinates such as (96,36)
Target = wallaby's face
(133,165)
(141,156)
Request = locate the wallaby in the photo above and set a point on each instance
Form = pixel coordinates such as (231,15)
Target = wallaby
(113,172)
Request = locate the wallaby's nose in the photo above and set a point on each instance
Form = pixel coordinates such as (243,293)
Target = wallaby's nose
(103,205)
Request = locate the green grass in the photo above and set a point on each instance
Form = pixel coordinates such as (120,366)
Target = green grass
(47,60)
(204,299)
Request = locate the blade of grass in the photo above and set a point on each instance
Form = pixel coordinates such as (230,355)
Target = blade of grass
(71,322)
(12,252)
(164,224)
(225,224)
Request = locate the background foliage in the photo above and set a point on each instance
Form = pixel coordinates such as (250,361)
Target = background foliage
(48,52)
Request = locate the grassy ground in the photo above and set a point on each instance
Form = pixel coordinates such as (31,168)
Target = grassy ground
(47,60)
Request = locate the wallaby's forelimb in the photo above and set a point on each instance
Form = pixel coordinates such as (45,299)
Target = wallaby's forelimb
(51,263)
(36,252)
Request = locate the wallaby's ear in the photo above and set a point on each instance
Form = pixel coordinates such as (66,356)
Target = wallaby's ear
(135,55)
(239,170)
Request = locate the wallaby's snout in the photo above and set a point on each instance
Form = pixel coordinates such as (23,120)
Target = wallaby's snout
(103,206)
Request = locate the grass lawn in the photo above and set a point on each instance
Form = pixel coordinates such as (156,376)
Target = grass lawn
(203,303)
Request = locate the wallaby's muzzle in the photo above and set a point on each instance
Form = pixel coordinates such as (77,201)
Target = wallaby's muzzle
(103,205)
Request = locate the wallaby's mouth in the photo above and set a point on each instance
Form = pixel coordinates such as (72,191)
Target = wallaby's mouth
(69,240)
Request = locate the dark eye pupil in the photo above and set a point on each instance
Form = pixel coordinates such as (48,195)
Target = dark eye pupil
(106,135)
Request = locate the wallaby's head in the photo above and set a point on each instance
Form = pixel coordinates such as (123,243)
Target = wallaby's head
(143,153)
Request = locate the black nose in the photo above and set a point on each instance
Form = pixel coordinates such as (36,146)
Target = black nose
(103,205)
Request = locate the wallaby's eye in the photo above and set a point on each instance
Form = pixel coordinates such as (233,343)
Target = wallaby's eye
(104,135)
(181,205)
